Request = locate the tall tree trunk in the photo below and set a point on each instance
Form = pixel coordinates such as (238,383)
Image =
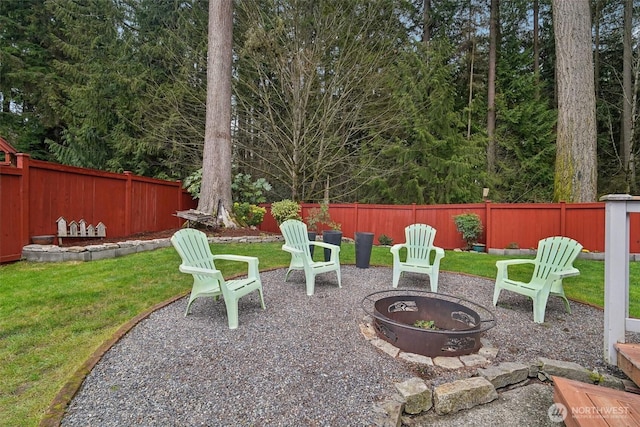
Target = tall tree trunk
(576,169)
(536,45)
(627,98)
(215,194)
(596,53)
(470,101)
(426,22)
(491,92)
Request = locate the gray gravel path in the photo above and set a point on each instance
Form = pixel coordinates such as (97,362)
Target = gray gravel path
(303,361)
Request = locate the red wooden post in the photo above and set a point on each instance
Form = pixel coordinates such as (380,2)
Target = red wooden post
(563,218)
(488,224)
(180,208)
(22,162)
(128,198)
(356,226)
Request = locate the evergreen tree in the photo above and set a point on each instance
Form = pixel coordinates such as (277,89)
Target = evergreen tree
(25,75)
(429,156)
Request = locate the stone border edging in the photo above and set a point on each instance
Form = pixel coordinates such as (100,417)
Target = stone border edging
(416,397)
(54,253)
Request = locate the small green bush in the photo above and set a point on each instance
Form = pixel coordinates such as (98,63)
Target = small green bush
(247,214)
(285,209)
(385,240)
(470,225)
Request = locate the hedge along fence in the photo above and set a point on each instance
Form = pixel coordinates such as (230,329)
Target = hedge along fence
(34,194)
(506,225)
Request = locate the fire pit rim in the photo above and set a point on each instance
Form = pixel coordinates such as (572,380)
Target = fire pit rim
(485,324)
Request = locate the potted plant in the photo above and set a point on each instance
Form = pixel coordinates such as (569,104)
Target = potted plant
(470,226)
(319,217)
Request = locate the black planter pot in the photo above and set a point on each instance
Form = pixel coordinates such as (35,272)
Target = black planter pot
(331,236)
(364,244)
(312,238)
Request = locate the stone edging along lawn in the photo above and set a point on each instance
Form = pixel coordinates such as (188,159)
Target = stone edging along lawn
(54,253)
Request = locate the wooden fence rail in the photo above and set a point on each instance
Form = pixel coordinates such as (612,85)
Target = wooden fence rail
(35,194)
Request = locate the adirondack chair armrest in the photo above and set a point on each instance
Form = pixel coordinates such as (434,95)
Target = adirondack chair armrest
(252,262)
(395,249)
(439,252)
(335,249)
(202,271)
(507,262)
(503,266)
(439,255)
(570,272)
(325,245)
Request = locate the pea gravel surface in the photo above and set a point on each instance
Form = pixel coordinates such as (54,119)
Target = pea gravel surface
(303,361)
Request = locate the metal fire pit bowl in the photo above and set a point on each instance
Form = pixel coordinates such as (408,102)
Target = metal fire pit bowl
(458,323)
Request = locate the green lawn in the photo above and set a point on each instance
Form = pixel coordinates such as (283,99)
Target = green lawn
(53,316)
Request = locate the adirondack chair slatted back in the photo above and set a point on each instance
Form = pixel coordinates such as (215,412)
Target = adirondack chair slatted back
(555,254)
(296,235)
(419,241)
(193,247)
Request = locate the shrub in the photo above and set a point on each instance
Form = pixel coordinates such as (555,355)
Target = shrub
(285,209)
(245,190)
(318,216)
(247,214)
(242,188)
(193,182)
(385,240)
(470,225)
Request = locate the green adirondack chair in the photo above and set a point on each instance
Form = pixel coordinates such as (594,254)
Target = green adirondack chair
(419,247)
(197,260)
(297,244)
(553,262)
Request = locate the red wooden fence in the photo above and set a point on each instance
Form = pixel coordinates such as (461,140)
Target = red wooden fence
(34,194)
(505,224)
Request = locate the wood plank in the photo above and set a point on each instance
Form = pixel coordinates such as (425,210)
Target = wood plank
(593,405)
(629,360)
(621,414)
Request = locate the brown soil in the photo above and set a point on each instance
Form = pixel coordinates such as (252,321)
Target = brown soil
(221,232)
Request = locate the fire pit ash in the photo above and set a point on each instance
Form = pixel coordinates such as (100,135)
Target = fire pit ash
(428,323)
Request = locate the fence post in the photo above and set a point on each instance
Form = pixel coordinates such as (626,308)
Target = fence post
(128,205)
(563,217)
(488,230)
(413,211)
(178,220)
(356,226)
(22,162)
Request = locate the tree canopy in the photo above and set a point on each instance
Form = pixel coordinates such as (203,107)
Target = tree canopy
(384,101)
